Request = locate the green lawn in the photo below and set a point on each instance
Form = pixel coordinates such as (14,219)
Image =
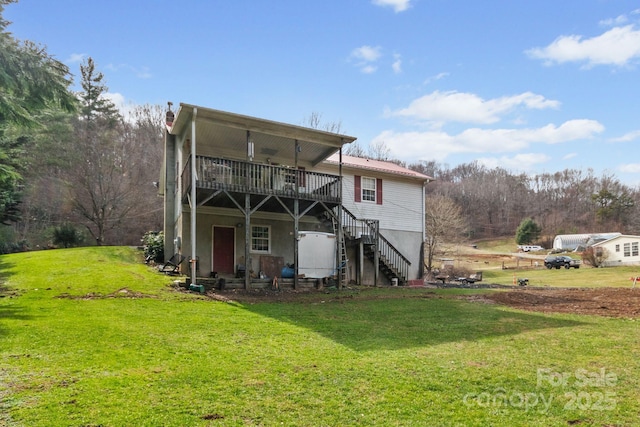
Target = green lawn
(93,337)
(585,276)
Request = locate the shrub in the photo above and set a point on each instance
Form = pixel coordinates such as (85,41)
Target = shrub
(153,242)
(67,235)
(595,256)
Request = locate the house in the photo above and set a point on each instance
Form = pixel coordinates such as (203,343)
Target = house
(570,242)
(247,197)
(620,250)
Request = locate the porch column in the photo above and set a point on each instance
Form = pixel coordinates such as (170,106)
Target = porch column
(339,237)
(296,240)
(360,262)
(247,214)
(296,215)
(170,195)
(247,241)
(376,252)
(193,197)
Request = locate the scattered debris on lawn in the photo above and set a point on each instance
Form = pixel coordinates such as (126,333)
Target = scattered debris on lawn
(120,293)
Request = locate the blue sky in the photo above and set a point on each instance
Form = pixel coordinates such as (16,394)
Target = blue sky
(531,86)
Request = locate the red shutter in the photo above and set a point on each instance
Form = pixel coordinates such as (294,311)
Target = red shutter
(378,191)
(358,188)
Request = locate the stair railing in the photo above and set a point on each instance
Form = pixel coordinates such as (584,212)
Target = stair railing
(356,228)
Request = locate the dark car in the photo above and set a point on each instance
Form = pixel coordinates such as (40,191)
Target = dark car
(557,261)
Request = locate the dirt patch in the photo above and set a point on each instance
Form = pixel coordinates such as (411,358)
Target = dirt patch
(120,293)
(253,296)
(608,302)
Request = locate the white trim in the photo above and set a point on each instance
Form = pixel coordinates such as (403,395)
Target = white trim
(254,251)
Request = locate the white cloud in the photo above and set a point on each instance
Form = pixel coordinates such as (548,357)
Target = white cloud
(397,5)
(397,64)
(618,20)
(125,107)
(618,47)
(368,69)
(630,168)
(367,53)
(142,72)
(438,76)
(76,58)
(627,137)
(470,108)
(525,161)
(366,57)
(437,145)
(569,156)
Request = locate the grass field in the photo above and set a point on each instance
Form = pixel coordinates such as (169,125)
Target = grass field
(500,264)
(93,337)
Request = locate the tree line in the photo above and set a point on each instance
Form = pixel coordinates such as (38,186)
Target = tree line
(494,201)
(73,168)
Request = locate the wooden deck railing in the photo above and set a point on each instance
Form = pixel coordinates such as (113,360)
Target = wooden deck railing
(246,177)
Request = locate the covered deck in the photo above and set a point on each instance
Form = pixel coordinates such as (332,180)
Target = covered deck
(221,182)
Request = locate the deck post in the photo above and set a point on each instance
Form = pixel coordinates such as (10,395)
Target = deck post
(339,230)
(193,197)
(296,216)
(296,240)
(247,241)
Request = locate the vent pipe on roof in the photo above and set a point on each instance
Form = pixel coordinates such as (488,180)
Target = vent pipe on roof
(170,115)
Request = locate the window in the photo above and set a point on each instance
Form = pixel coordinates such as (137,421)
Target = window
(260,238)
(617,248)
(634,249)
(627,249)
(368,189)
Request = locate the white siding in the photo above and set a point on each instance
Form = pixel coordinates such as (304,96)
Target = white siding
(618,257)
(402,204)
(402,207)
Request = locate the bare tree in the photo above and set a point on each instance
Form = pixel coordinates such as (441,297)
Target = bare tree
(355,149)
(100,189)
(315,121)
(444,224)
(142,131)
(379,151)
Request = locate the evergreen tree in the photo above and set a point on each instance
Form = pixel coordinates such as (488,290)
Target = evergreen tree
(31,82)
(94,106)
(528,232)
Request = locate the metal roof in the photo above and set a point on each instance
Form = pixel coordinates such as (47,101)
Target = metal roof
(226,136)
(379,166)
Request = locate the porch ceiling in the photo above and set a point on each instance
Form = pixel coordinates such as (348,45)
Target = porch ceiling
(223,134)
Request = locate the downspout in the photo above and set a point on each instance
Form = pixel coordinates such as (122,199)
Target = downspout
(421,271)
(193,198)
